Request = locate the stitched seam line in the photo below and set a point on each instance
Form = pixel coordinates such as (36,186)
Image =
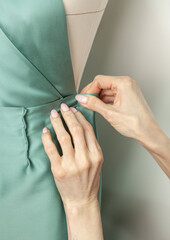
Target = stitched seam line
(25,135)
(72,14)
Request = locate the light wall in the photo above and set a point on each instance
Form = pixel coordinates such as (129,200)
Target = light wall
(134,39)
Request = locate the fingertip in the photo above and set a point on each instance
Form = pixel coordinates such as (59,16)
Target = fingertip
(64,107)
(44,134)
(54,113)
(81,98)
(45,130)
(74,110)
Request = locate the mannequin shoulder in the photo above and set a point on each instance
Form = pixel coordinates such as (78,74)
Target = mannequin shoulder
(84,6)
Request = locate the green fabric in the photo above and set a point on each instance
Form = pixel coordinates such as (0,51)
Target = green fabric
(36,75)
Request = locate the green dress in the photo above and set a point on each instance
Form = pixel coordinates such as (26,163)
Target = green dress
(36,75)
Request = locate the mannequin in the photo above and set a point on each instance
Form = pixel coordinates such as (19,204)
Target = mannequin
(83,18)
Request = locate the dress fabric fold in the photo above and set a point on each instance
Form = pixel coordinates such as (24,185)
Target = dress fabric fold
(36,75)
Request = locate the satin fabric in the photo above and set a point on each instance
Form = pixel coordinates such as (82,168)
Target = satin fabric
(36,75)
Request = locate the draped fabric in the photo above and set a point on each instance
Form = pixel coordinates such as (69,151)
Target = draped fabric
(36,75)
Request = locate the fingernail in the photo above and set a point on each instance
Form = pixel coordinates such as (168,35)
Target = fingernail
(81,98)
(64,107)
(45,130)
(54,113)
(74,110)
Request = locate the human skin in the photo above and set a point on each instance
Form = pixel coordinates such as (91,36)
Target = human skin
(123,105)
(76,172)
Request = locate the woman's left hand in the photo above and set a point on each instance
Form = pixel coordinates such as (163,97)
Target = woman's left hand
(77,171)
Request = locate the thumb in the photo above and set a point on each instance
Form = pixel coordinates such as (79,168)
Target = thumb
(93,103)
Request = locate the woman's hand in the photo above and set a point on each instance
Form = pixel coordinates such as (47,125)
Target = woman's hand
(123,105)
(128,112)
(76,172)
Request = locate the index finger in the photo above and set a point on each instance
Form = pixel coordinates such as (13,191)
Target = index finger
(100,82)
(75,128)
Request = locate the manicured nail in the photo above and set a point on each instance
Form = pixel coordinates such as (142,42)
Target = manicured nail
(81,98)
(64,107)
(54,113)
(74,110)
(45,130)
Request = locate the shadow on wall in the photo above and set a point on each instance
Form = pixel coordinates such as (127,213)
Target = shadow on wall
(128,218)
(124,216)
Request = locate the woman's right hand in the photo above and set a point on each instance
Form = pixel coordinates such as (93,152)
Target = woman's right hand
(128,113)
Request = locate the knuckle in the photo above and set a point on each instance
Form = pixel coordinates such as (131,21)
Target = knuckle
(126,78)
(64,138)
(77,129)
(99,148)
(129,81)
(86,166)
(88,126)
(99,158)
(50,150)
(73,170)
(97,77)
(60,174)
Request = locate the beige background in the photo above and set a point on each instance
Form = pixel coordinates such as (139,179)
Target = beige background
(134,39)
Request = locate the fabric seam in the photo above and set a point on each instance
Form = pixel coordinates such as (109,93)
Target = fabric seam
(25,135)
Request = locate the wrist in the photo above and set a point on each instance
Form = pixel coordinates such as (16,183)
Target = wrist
(84,220)
(73,209)
(154,139)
